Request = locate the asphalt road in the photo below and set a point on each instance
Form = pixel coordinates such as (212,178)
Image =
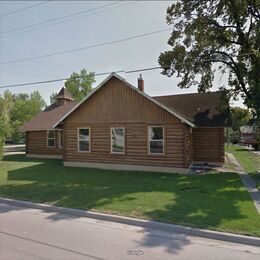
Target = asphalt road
(34,234)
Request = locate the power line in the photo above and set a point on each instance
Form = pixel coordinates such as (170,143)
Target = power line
(55,80)
(146,69)
(24,8)
(85,47)
(106,73)
(22,28)
(62,79)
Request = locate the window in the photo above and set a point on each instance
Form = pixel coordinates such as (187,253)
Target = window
(60,139)
(51,138)
(84,139)
(117,140)
(156,140)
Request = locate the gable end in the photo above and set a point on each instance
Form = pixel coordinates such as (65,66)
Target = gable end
(171,111)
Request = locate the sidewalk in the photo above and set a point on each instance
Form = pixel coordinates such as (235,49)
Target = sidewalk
(196,232)
(247,181)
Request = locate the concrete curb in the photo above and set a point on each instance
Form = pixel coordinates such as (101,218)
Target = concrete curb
(253,241)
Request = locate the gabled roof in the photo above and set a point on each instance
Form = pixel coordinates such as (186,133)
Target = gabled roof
(203,109)
(46,119)
(64,93)
(168,109)
(195,109)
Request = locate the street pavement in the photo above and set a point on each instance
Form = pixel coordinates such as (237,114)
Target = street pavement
(27,233)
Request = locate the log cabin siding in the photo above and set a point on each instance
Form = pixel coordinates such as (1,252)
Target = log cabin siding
(208,145)
(187,145)
(136,145)
(117,105)
(36,143)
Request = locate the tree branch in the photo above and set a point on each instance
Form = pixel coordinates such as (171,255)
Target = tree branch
(233,65)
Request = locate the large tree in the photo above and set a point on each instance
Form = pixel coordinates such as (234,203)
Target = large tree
(240,117)
(80,84)
(52,97)
(15,110)
(24,108)
(6,105)
(212,35)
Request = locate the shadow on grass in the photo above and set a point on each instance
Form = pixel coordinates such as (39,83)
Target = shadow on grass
(205,201)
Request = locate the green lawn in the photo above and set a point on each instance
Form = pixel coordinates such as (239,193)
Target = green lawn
(214,201)
(249,161)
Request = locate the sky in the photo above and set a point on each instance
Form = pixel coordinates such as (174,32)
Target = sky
(117,20)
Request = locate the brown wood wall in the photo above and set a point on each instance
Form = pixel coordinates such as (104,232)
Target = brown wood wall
(187,145)
(118,105)
(116,102)
(36,143)
(208,144)
(136,145)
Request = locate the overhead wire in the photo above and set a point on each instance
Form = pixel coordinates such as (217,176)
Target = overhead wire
(58,20)
(104,73)
(24,8)
(85,47)
(62,79)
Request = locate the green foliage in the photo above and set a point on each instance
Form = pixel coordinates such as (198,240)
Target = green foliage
(4,127)
(52,97)
(24,108)
(16,109)
(240,117)
(6,105)
(3,132)
(80,84)
(216,34)
(232,136)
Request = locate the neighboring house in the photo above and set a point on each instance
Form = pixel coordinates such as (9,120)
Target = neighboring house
(118,126)
(248,136)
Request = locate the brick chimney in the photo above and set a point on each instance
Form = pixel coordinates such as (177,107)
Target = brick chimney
(140,83)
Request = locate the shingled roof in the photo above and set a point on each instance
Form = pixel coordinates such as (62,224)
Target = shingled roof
(195,109)
(203,109)
(48,118)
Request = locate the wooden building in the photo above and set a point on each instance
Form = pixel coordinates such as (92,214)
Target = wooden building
(118,126)
(248,136)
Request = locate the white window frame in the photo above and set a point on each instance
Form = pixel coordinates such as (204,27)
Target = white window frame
(51,139)
(89,130)
(61,133)
(163,140)
(111,142)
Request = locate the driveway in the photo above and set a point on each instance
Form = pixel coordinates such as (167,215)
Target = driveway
(35,234)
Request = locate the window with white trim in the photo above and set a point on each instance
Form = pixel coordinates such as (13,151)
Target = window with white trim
(117,140)
(156,140)
(51,138)
(61,139)
(84,139)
